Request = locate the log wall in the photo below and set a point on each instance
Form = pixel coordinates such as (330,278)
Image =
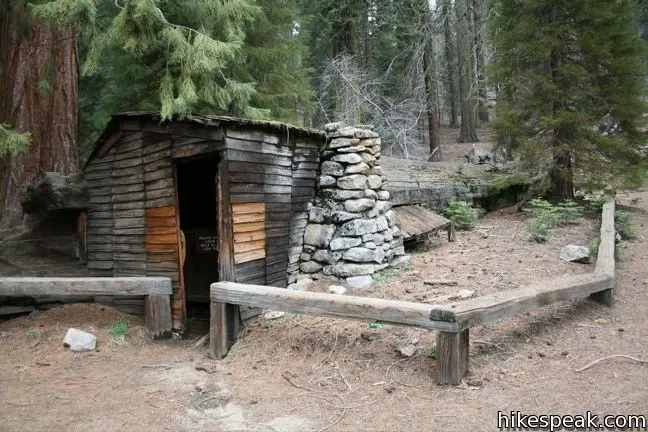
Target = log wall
(133,222)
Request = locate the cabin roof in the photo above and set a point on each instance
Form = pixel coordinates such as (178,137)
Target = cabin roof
(203,120)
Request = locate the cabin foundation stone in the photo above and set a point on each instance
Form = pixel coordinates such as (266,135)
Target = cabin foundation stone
(351,227)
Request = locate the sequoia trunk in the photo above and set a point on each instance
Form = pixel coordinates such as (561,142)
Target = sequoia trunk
(38,94)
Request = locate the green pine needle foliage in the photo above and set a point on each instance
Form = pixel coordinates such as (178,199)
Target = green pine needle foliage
(463,214)
(570,75)
(623,222)
(12,142)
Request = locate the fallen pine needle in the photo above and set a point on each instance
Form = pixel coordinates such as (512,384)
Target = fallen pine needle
(608,358)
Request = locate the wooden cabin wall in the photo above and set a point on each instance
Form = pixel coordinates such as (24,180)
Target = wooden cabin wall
(305,165)
(260,169)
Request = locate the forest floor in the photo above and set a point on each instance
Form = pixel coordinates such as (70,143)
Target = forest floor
(301,373)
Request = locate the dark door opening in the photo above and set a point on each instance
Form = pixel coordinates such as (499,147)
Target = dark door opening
(198,221)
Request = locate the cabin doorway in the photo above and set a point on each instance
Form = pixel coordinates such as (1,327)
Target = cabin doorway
(197,203)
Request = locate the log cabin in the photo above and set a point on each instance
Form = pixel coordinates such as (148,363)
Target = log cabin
(199,199)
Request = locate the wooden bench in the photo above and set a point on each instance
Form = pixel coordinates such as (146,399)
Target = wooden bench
(452,321)
(156,292)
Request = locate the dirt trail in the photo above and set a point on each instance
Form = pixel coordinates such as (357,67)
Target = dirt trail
(312,374)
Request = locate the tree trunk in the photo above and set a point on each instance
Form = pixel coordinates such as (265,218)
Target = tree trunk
(464,47)
(451,65)
(431,93)
(482,109)
(562,177)
(38,94)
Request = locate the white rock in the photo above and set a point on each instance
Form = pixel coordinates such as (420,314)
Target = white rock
(353,181)
(401,261)
(383,195)
(271,315)
(318,235)
(408,350)
(337,289)
(359,205)
(350,158)
(573,253)
(465,294)
(327,181)
(361,168)
(369,193)
(340,243)
(375,181)
(79,341)
(343,142)
(332,168)
(359,282)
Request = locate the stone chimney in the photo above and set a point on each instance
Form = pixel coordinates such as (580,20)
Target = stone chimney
(351,231)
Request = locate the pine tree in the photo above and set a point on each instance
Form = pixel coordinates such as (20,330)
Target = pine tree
(466,72)
(571,75)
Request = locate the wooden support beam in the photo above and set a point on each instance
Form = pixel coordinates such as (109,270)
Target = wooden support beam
(605,258)
(507,303)
(331,305)
(452,357)
(157,315)
(218,330)
(33,286)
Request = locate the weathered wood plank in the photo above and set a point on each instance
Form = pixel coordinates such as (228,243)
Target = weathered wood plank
(248,236)
(249,227)
(244,156)
(506,303)
(157,315)
(606,251)
(31,286)
(201,148)
(249,246)
(452,357)
(246,208)
(331,305)
(241,257)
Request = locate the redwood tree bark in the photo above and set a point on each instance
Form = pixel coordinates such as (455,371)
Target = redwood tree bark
(431,93)
(468,131)
(32,53)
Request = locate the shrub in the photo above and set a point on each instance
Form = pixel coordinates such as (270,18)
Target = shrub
(594,203)
(545,217)
(462,213)
(119,331)
(623,224)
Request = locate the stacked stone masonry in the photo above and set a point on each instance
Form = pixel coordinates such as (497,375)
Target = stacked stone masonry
(351,231)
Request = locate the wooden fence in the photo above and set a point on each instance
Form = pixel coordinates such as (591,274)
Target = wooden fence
(452,321)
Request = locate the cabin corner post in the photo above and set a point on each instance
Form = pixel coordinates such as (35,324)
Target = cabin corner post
(218,320)
(452,357)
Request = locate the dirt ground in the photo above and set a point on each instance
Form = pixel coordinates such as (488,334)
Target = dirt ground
(301,373)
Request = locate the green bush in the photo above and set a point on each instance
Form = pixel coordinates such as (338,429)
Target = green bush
(623,224)
(594,203)
(594,244)
(462,213)
(546,216)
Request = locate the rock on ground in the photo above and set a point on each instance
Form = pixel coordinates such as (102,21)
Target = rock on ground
(337,289)
(573,253)
(359,282)
(79,341)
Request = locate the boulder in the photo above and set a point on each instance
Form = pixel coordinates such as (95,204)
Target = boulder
(310,267)
(350,270)
(365,133)
(79,341)
(364,255)
(53,191)
(341,216)
(326,256)
(401,261)
(341,195)
(349,158)
(383,206)
(378,239)
(369,245)
(377,170)
(374,181)
(359,227)
(408,351)
(368,159)
(332,127)
(354,181)
(338,143)
(318,235)
(361,168)
(327,181)
(383,195)
(381,223)
(353,149)
(359,205)
(370,193)
(332,168)
(359,282)
(346,131)
(573,253)
(342,243)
